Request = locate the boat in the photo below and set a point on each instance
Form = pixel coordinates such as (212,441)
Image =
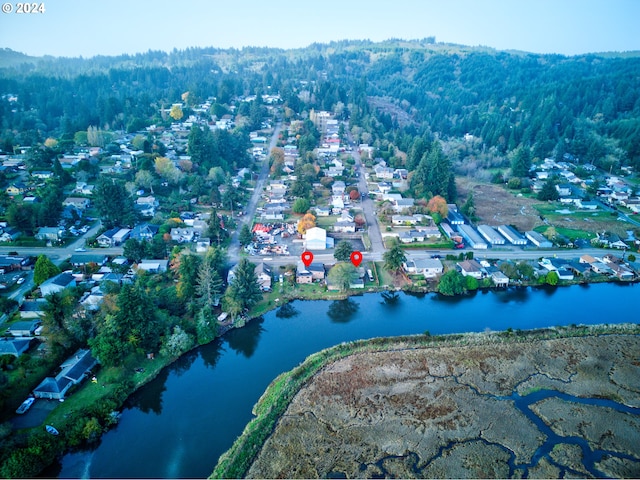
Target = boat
(51,430)
(26,405)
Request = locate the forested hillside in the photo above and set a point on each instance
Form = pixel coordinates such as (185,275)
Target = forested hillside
(587,106)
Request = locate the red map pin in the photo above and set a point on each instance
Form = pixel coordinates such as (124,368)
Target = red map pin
(356,258)
(307,258)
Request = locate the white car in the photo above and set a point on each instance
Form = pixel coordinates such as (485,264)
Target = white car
(20,281)
(80,249)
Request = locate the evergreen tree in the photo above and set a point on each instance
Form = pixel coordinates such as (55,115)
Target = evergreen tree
(44,269)
(343,251)
(245,237)
(394,258)
(244,288)
(521,162)
(114,204)
(469,207)
(548,191)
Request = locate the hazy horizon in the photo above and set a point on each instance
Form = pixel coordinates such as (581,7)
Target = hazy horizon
(73,28)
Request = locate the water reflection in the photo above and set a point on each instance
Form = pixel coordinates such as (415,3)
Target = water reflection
(390,299)
(342,311)
(151,401)
(513,294)
(287,311)
(245,340)
(184,363)
(211,353)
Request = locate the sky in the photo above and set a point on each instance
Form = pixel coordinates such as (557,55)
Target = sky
(72,28)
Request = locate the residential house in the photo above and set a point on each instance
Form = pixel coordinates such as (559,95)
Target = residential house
(80,203)
(411,236)
(430,231)
(80,260)
(385,187)
(344,227)
(338,188)
(144,231)
(113,237)
(322,211)
(32,309)
(611,240)
(49,233)
(403,204)
(471,268)
(383,172)
(14,346)
(146,205)
(263,273)
(42,174)
(407,220)
(183,234)
(57,284)
(203,244)
(428,267)
(153,266)
(25,328)
(563,189)
(16,188)
(499,279)
(337,204)
(74,370)
(10,234)
(621,271)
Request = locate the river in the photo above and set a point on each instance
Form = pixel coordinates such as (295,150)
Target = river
(180,423)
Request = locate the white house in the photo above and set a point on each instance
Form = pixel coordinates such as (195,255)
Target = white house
(429,267)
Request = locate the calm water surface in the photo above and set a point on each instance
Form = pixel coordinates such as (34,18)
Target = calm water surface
(179,424)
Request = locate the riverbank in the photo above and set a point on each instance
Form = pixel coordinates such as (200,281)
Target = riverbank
(276,400)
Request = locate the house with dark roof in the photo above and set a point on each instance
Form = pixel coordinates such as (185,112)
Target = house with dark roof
(14,346)
(471,268)
(74,370)
(79,260)
(32,309)
(144,231)
(25,328)
(57,283)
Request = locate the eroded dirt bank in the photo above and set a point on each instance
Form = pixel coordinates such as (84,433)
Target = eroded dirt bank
(548,408)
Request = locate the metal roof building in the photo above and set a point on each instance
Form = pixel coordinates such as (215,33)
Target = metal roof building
(512,235)
(472,238)
(493,237)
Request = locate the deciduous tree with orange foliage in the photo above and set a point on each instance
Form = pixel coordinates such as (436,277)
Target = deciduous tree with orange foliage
(306,222)
(438,205)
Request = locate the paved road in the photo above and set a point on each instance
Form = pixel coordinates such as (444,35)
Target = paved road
(368,208)
(56,254)
(247,218)
(503,254)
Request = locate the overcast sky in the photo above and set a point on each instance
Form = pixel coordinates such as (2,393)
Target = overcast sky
(111,27)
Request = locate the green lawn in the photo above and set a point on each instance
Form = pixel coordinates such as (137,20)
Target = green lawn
(385,279)
(567,232)
(325,222)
